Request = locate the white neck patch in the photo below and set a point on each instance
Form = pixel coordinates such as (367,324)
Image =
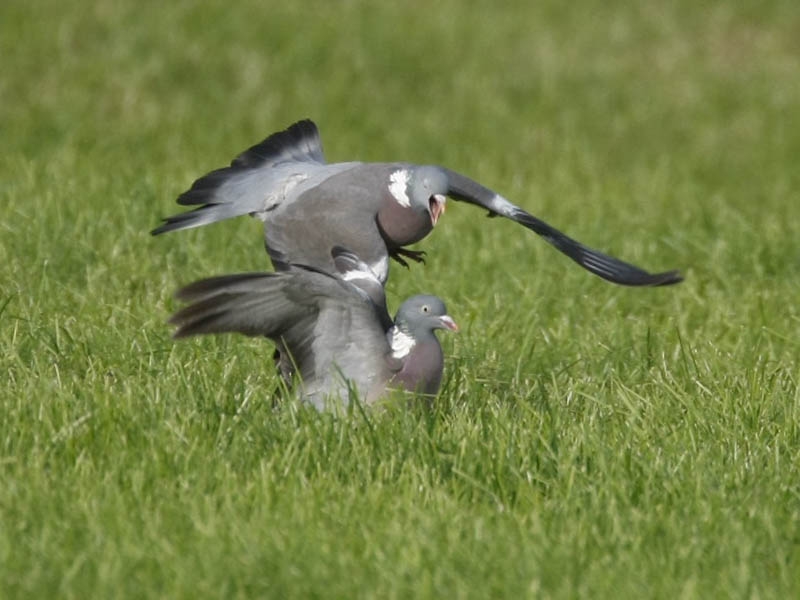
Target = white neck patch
(398,184)
(400,341)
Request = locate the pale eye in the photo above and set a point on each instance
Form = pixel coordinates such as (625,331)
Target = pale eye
(425,309)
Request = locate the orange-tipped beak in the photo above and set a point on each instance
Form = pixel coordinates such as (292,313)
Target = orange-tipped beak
(437,204)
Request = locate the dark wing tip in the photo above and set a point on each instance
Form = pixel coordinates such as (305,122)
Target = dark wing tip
(186,220)
(174,223)
(604,266)
(666,278)
(300,141)
(161,229)
(642,278)
(609,268)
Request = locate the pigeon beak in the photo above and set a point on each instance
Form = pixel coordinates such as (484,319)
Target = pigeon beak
(447,322)
(437,205)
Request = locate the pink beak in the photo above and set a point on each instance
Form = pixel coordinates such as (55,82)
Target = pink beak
(437,204)
(448,323)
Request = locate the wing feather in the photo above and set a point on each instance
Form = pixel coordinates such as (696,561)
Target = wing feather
(605,266)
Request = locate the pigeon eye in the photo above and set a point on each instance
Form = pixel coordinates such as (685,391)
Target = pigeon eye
(425,309)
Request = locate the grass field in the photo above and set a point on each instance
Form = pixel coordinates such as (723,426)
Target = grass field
(590,440)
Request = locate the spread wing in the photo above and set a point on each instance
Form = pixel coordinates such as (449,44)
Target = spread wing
(605,266)
(280,161)
(330,327)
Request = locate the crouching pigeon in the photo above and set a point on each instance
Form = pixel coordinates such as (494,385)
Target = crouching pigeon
(333,328)
(374,209)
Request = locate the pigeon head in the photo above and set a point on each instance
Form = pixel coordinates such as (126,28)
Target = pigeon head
(419,316)
(422,189)
(412,340)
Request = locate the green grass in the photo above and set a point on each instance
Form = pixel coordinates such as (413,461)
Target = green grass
(590,440)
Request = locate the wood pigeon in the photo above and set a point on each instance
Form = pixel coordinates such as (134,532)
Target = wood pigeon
(333,328)
(374,209)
